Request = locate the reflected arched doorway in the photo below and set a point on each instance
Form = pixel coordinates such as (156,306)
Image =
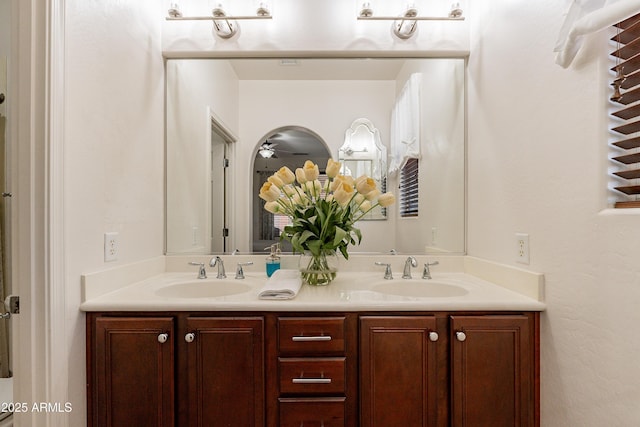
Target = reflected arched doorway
(287,146)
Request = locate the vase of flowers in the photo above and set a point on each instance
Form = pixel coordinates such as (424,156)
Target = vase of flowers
(318,269)
(323,214)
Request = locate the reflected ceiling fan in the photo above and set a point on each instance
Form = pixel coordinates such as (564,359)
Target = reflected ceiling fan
(267,149)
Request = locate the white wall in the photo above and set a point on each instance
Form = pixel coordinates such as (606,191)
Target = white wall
(194,90)
(439,225)
(113,153)
(537,164)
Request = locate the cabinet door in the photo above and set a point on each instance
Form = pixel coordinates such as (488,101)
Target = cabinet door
(398,371)
(133,378)
(492,371)
(225,371)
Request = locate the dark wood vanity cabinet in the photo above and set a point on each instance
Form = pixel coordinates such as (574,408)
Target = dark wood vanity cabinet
(175,370)
(398,371)
(130,363)
(224,371)
(494,371)
(313,369)
(316,361)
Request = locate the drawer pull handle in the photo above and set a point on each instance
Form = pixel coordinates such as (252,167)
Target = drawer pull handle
(311,380)
(162,338)
(314,338)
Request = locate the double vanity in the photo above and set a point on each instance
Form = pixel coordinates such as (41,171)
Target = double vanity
(166,348)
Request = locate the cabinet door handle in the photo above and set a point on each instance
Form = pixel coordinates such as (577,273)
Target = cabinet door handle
(461,336)
(313,338)
(190,337)
(311,380)
(162,338)
(433,336)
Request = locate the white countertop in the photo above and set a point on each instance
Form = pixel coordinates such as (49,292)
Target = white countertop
(350,291)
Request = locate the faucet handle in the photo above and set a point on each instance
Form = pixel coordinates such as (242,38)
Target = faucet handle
(426,273)
(387,271)
(239,271)
(202,273)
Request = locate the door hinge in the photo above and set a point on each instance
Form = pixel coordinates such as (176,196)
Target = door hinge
(12,305)
(225,232)
(225,163)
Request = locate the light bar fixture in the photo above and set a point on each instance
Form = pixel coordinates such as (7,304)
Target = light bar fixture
(224,26)
(405,25)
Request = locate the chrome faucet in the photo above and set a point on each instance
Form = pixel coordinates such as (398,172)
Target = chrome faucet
(410,262)
(388,275)
(239,271)
(426,273)
(218,261)
(202,273)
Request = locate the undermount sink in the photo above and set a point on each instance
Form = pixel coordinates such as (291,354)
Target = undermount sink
(420,289)
(203,289)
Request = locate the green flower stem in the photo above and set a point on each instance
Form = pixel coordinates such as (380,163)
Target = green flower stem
(366,212)
(317,271)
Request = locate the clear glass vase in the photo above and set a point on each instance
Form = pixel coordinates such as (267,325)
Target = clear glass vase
(318,270)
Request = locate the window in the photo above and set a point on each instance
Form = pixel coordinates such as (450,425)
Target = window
(625,113)
(409,189)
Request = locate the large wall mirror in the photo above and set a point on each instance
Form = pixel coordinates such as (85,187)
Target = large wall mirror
(258,101)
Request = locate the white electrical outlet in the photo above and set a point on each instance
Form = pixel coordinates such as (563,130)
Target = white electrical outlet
(522,248)
(111,246)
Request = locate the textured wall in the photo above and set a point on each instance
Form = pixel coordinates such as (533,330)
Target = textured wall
(537,164)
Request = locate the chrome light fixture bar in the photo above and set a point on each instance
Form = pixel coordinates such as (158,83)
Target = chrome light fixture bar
(405,25)
(224,26)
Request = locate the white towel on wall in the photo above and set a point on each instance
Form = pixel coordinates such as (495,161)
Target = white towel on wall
(405,125)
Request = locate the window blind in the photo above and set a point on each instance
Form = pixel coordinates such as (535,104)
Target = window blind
(625,113)
(409,189)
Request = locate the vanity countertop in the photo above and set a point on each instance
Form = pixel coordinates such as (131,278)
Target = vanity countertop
(350,291)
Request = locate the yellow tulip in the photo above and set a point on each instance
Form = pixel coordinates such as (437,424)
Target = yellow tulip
(365,184)
(335,184)
(300,176)
(372,195)
(365,206)
(275,180)
(343,194)
(285,174)
(386,199)
(272,207)
(289,190)
(333,168)
(311,170)
(269,192)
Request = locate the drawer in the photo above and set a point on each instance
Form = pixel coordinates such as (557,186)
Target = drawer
(312,412)
(324,375)
(311,335)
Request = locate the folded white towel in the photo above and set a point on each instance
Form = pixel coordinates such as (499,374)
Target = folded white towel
(283,284)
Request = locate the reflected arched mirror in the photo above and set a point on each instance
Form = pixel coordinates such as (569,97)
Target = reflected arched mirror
(363,153)
(287,146)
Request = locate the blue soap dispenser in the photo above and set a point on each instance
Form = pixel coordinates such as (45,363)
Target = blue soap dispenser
(273,260)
